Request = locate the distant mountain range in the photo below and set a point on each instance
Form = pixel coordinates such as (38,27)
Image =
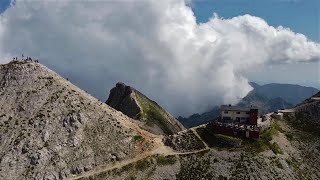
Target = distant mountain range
(271,97)
(290,93)
(198,119)
(268,98)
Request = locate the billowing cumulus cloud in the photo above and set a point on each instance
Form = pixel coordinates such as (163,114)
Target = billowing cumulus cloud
(155,46)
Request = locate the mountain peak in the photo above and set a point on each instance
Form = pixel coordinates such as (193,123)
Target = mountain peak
(51,129)
(254,85)
(136,105)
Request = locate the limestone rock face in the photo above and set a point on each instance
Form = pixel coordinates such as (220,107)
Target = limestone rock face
(121,98)
(136,105)
(184,141)
(50,129)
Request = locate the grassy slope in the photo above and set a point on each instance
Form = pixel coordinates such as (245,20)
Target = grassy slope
(152,113)
(134,170)
(264,143)
(217,140)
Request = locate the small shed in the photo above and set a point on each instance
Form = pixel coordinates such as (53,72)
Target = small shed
(277,116)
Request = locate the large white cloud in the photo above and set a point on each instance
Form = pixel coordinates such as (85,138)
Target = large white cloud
(155,46)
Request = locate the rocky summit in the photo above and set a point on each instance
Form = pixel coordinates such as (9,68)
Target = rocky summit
(50,129)
(136,105)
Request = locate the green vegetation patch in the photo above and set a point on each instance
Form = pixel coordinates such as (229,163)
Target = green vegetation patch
(264,142)
(220,177)
(138,138)
(146,165)
(289,136)
(218,140)
(142,165)
(277,127)
(152,113)
(166,160)
(275,148)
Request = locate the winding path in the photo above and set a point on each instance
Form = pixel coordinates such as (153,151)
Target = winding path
(195,133)
(160,150)
(163,150)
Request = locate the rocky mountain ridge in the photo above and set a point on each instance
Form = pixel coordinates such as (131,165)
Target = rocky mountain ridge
(50,129)
(291,93)
(137,106)
(198,119)
(306,115)
(264,103)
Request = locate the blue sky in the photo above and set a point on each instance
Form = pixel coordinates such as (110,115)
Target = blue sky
(4,4)
(299,15)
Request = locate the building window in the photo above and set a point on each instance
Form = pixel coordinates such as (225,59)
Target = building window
(238,112)
(226,112)
(247,112)
(226,118)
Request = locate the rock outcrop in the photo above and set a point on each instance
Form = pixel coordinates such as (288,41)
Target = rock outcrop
(122,98)
(306,115)
(50,129)
(136,105)
(184,141)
